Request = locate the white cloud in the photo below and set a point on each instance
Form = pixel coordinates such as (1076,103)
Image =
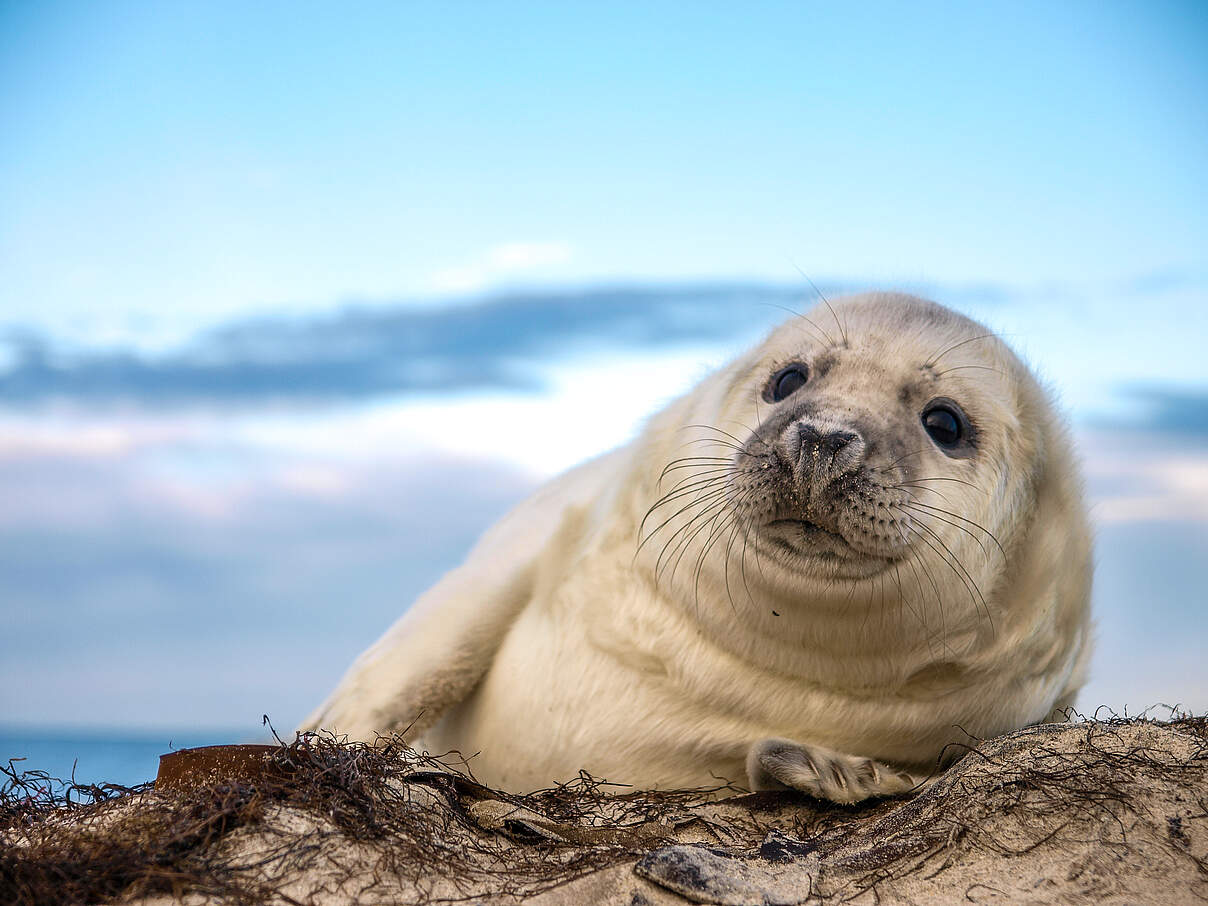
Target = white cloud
(500,262)
(71,435)
(1137,479)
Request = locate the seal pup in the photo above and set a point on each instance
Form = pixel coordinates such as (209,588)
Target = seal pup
(854,546)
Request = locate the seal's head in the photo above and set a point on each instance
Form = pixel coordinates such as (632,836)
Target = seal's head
(901,415)
(879,450)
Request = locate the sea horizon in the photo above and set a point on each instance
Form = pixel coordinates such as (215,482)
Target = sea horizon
(97,754)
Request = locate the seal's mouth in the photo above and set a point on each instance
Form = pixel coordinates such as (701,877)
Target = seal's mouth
(803,536)
(807,528)
(810,541)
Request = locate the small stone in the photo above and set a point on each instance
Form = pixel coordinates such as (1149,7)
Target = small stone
(710,876)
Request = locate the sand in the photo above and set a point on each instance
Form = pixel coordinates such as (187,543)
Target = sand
(1084,812)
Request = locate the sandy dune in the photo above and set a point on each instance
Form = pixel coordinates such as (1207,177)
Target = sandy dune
(1085,812)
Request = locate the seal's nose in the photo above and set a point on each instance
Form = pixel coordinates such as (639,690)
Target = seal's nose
(823,452)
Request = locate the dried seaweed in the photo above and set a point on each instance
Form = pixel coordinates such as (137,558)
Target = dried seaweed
(65,843)
(341,821)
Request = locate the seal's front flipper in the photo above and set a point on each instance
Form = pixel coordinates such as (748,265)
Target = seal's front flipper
(776,764)
(435,654)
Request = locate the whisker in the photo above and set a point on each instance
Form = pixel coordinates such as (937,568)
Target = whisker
(957,480)
(923,514)
(935,358)
(963,367)
(900,458)
(706,495)
(700,560)
(713,502)
(970,585)
(928,633)
(696,471)
(720,510)
(691,459)
(690,480)
(826,337)
(983,529)
(939,604)
(718,430)
(735,526)
(742,564)
(732,524)
(944,560)
(819,334)
(695,481)
(904,485)
(699,499)
(826,302)
(714,441)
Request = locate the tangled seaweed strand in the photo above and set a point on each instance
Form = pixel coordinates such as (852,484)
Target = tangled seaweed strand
(338,821)
(59,849)
(64,843)
(1070,800)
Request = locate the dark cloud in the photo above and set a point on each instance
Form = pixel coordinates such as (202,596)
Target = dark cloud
(1171,410)
(502,341)
(506,341)
(127,608)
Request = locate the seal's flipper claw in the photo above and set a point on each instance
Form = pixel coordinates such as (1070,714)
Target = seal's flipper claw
(823,773)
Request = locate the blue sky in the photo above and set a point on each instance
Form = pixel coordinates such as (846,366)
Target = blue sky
(170,163)
(261,263)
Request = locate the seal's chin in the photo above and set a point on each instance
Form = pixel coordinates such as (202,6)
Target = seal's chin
(816,549)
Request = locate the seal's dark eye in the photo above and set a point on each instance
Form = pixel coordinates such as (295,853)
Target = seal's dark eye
(945,425)
(786,381)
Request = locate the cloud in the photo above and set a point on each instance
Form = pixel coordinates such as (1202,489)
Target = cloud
(502,342)
(501,262)
(141,595)
(1139,475)
(518,343)
(1174,488)
(1171,410)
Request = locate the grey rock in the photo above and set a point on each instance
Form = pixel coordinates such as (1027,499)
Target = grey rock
(710,876)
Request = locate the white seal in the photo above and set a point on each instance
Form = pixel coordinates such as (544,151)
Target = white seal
(857,545)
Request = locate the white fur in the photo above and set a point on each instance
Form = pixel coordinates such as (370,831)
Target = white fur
(555,649)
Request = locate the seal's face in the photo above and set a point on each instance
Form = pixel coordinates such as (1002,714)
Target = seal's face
(864,432)
(887,442)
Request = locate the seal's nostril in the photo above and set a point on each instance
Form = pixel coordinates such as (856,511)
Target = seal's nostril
(813,441)
(808,435)
(836,441)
